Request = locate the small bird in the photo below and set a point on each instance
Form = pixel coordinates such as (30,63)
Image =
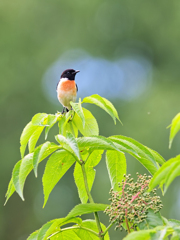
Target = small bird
(67,88)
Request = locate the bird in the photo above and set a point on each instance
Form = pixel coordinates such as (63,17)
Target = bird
(67,89)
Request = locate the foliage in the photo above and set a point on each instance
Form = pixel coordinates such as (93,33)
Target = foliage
(86,152)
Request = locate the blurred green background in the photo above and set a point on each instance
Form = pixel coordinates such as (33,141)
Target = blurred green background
(33,35)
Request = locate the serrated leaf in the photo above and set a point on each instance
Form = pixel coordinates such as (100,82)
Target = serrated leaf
(20,173)
(40,119)
(161,175)
(69,143)
(78,109)
(61,123)
(42,152)
(91,126)
(42,231)
(137,150)
(92,161)
(175,127)
(15,178)
(96,143)
(140,235)
(157,157)
(174,222)
(51,120)
(34,138)
(86,208)
(55,227)
(172,174)
(33,236)
(81,233)
(66,235)
(10,191)
(104,104)
(70,127)
(24,167)
(154,219)
(90,224)
(57,165)
(116,165)
(66,125)
(159,232)
(25,136)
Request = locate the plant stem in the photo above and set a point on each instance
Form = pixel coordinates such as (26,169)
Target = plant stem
(91,201)
(107,229)
(127,225)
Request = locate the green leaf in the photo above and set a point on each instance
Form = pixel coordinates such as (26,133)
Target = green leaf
(34,138)
(55,227)
(61,123)
(175,127)
(90,224)
(137,150)
(96,143)
(140,235)
(42,231)
(70,127)
(157,157)
(69,143)
(20,173)
(56,167)
(40,119)
(85,209)
(154,219)
(91,126)
(42,152)
(34,235)
(161,175)
(104,104)
(174,222)
(25,166)
(116,165)
(25,136)
(172,174)
(66,125)
(158,233)
(51,120)
(91,162)
(78,109)
(66,235)
(10,191)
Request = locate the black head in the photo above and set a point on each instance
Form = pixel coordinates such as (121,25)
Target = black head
(69,73)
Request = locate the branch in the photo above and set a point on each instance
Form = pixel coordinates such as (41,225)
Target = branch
(91,201)
(107,229)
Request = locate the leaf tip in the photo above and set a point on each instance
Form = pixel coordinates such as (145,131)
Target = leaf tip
(170,144)
(35,173)
(5,201)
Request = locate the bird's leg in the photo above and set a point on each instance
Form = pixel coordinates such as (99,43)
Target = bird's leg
(63,111)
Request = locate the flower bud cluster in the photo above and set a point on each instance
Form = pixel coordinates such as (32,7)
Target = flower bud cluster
(131,204)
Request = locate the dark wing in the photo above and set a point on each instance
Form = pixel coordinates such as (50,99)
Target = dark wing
(76,88)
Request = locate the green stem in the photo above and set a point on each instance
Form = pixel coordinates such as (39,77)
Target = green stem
(107,229)
(74,227)
(92,201)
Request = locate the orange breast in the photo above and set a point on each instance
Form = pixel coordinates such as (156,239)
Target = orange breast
(68,85)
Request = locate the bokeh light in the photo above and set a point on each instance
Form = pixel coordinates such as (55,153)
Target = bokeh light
(125,78)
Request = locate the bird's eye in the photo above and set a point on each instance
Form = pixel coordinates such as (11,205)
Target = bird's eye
(68,72)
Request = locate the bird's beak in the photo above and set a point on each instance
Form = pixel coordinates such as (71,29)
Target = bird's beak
(77,71)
